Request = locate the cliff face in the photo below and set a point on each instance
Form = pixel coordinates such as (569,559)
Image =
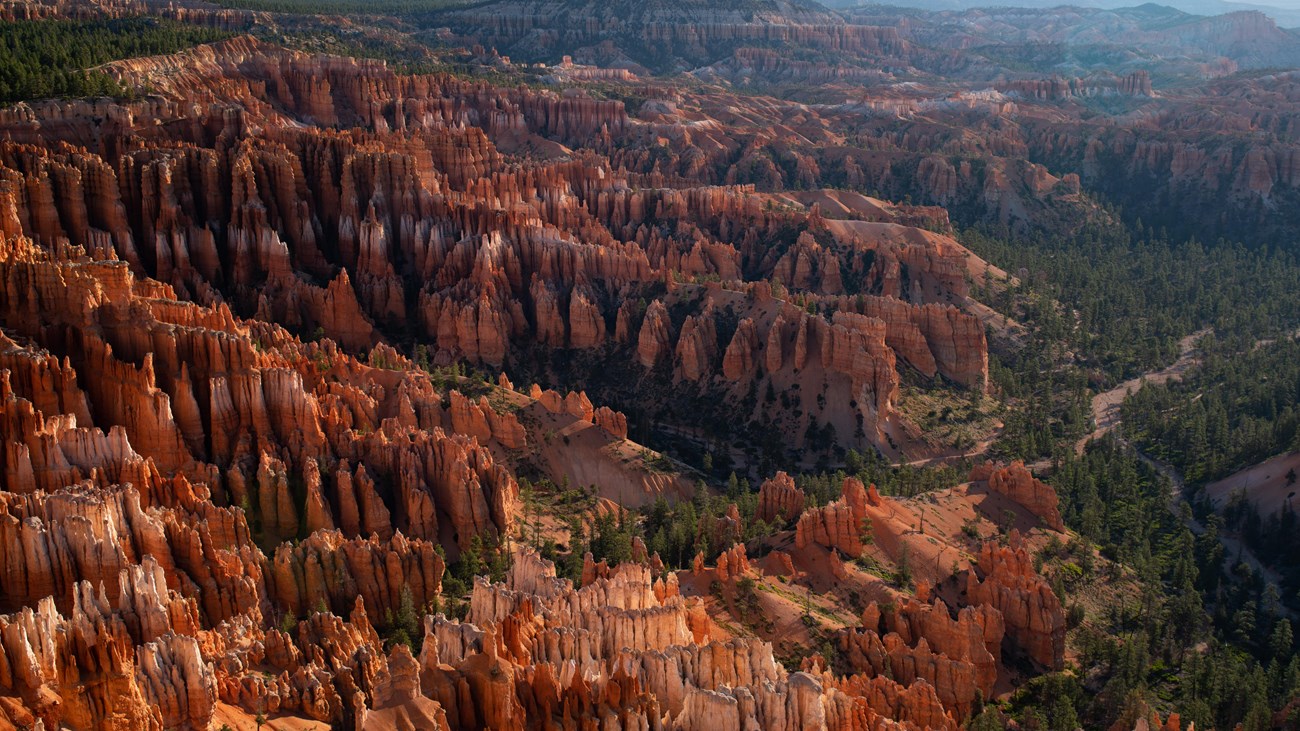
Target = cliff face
(189,11)
(668,35)
(1034,617)
(629,649)
(339,199)
(220,480)
(1136,84)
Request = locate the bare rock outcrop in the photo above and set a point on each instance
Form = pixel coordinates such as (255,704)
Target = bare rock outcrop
(839,525)
(779,500)
(1033,614)
(1016,482)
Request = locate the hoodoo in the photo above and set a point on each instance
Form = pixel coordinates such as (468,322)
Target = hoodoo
(878,368)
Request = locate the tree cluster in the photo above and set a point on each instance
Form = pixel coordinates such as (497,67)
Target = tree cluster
(57,58)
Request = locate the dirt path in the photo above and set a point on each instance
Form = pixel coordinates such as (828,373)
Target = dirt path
(1106,416)
(979,450)
(1235,550)
(1105,406)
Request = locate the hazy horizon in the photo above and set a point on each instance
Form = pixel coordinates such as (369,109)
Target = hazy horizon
(1286,13)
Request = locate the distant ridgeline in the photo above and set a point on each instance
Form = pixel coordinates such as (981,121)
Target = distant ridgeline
(340,7)
(57,58)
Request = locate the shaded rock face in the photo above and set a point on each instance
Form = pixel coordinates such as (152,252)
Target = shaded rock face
(220,481)
(1016,482)
(343,200)
(850,359)
(1034,617)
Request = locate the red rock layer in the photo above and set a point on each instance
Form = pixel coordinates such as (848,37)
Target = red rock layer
(779,500)
(1016,482)
(1035,619)
(629,650)
(409,216)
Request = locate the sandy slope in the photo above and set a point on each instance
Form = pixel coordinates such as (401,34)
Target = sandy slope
(1265,484)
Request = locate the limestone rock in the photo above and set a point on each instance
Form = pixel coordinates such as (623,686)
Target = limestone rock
(779,500)
(838,525)
(1034,616)
(1016,482)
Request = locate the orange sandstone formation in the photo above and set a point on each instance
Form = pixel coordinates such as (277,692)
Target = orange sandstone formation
(779,500)
(222,480)
(840,525)
(1034,616)
(1016,482)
